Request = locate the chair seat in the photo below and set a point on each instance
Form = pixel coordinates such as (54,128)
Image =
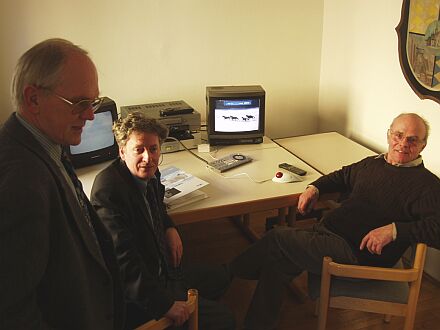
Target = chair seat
(396,292)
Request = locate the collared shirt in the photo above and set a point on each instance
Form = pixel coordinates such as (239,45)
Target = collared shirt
(415,162)
(54,150)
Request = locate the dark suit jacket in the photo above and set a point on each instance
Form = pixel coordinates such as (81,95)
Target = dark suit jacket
(120,204)
(52,272)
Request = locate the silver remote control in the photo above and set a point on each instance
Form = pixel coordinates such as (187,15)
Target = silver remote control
(230,161)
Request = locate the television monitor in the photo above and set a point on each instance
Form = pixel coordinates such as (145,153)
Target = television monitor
(98,143)
(235,114)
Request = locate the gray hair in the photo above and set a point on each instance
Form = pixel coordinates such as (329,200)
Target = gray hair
(139,123)
(40,66)
(423,120)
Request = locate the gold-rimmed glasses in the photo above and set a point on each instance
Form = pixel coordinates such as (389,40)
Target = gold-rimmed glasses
(81,106)
(400,136)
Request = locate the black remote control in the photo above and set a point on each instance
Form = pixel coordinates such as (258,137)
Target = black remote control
(292,169)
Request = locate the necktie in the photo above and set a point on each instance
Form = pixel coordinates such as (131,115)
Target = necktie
(156,222)
(82,198)
(159,230)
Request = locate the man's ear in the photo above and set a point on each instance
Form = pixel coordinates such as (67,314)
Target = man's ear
(31,101)
(122,153)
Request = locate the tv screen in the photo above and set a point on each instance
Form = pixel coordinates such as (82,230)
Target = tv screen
(97,134)
(235,114)
(240,115)
(98,143)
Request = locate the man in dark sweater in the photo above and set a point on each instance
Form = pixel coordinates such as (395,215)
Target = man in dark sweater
(392,201)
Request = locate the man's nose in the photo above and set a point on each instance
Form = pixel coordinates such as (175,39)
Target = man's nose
(404,142)
(88,114)
(145,155)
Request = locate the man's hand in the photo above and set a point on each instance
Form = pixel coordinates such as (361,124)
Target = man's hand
(175,246)
(179,313)
(376,239)
(308,199)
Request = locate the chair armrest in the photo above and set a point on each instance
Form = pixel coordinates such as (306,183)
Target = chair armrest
(165,322)
(379,273)
(372,273)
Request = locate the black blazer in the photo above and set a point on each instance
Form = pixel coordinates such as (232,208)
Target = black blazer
(52,272)
(119,202)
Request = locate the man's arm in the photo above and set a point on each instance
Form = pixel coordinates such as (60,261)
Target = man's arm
(426,231)
(179,313)
(308,199)
(172,236)
(341,181)
(175,246)
(338,181)
(426,212)
(24,248)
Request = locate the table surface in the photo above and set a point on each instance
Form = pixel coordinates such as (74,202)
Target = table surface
(326,152)
(229,194)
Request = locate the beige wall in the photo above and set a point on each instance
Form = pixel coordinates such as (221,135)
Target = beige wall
(362,87)
(152,51)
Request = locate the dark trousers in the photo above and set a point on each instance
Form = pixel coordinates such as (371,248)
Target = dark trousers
(276,259)
(211,282)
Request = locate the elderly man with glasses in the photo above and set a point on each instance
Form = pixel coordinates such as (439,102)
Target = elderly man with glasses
(392,201)
(58,268)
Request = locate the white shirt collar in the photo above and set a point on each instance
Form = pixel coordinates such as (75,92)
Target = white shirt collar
(413,163)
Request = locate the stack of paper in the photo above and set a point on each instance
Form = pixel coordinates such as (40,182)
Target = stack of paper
(181,188)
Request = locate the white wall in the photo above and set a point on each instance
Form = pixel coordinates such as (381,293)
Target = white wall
(152,51)
(362,87)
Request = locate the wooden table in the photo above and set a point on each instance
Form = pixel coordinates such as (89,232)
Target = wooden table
(230,195)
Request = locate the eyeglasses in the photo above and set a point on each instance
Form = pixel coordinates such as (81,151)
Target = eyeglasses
(400,136)
(83,105)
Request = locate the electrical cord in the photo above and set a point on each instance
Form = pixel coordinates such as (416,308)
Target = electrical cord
(238,174)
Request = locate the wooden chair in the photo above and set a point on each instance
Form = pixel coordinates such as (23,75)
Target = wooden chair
(164,322)
(389,291)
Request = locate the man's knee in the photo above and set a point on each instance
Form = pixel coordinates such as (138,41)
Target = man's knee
(278,238)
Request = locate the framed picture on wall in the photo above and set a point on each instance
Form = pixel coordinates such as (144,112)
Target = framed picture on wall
(419,46)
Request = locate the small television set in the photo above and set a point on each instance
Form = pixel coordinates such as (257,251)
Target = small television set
(98,143)
(235,114)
